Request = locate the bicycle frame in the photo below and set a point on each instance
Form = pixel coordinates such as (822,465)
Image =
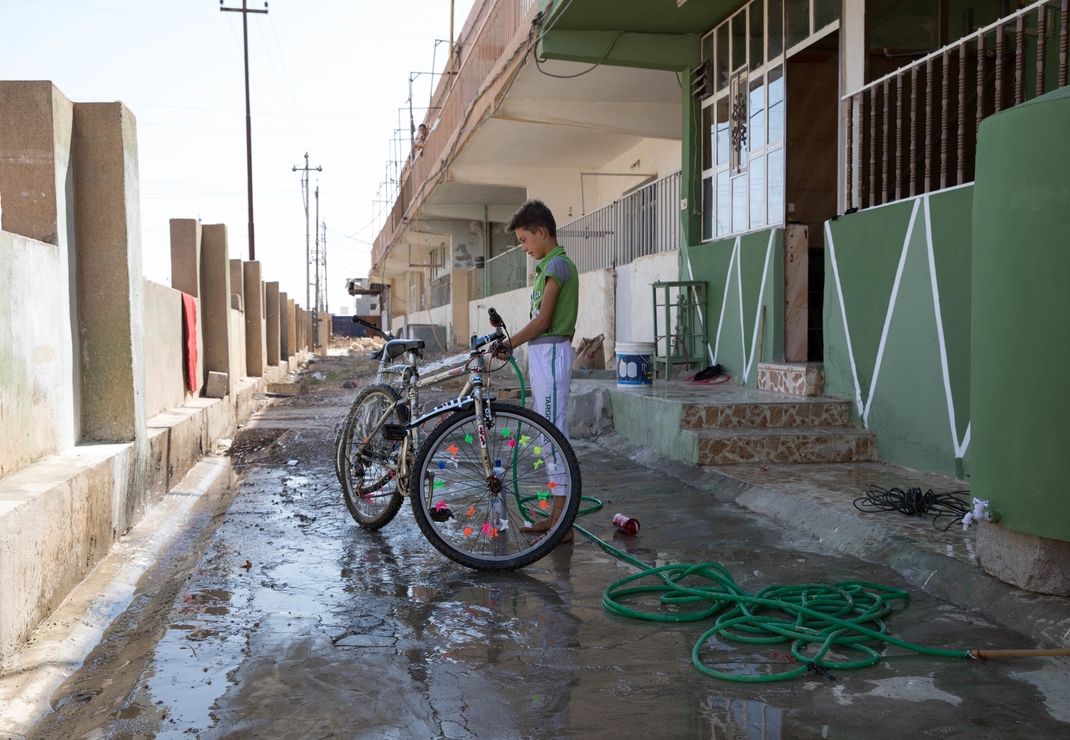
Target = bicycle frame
(471,394)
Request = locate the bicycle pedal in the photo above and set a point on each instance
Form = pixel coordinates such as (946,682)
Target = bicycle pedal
(394,432)
(441,514)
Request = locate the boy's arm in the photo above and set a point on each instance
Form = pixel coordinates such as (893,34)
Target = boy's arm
(541,323)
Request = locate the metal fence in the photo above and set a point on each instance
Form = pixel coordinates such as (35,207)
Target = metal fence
(508,271)
(915,130)
(440,291)
(643,222)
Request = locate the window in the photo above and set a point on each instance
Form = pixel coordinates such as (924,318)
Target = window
(743,122)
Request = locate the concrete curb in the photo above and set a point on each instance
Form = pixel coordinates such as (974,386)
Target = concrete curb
(1043,619)
(61,644)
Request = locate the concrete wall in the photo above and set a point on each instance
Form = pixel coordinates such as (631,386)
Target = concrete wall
(165,383)
(95,421)
(657,157)
(37,372)
(742,275)
(634,300)
(901,273)
(597,308)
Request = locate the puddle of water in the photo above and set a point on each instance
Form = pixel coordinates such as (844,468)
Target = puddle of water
(740,718)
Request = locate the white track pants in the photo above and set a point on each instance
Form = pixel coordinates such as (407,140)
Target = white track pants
(550,371)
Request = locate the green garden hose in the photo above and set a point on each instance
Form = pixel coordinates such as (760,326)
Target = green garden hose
(841,616)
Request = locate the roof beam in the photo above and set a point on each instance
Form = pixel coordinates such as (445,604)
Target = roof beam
(671,52)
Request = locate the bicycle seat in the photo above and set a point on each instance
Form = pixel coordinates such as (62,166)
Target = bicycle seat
(397,347)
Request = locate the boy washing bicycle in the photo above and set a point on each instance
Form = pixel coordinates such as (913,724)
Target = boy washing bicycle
(554,307)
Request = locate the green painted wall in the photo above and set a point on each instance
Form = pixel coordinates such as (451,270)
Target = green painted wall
(733,270)
(655,423)
(1021,315)
(908,362)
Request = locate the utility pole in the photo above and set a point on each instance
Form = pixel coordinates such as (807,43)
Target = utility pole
(318,304)
(326,290)
(308,257)
(245,11)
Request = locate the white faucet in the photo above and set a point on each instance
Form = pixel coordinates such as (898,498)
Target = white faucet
(979,514)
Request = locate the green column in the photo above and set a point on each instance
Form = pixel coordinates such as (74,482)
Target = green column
(1021,316)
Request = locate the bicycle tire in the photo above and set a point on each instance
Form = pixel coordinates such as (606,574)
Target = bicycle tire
(370,489)
(455,506)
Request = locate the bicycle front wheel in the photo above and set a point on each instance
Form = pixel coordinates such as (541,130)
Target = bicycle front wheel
(369,485)
(512,519)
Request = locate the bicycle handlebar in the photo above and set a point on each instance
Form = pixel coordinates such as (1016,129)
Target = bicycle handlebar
(368,325)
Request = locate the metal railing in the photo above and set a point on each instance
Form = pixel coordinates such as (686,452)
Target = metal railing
(440,291)
(507,271)
(493,30)
(643,222)
(915,130)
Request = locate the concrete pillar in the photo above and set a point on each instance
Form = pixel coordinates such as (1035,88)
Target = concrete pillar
(111,317)
(284,328)
(310,325)
(215,300)
(186,256)
(270,297)
(35,149)
(459,309)
(255,349)
(186,273)
(237,285)
(291,329)
(325,330)
(299,317)
(39,356)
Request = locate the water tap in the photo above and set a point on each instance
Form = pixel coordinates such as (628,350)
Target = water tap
(979,514)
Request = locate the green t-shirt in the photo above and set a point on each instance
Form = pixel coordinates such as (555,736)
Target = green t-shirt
(556,264)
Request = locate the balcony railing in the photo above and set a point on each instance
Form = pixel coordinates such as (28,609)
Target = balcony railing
(915,130)
(643,222)
(508,271)
(493,29)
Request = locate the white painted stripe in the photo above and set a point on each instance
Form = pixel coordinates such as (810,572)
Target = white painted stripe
(758,311)
(742,330)
(701,318)
(888,315)
(843,313)
(960,447)
(724,302)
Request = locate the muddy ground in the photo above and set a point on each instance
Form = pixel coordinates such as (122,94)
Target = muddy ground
(275,616)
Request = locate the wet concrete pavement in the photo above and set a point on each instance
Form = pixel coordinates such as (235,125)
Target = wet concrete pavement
(295,623)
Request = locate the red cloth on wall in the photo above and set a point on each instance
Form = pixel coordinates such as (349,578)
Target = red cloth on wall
(189,333)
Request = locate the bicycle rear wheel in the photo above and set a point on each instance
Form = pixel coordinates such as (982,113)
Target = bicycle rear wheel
(481,523)
(369,486)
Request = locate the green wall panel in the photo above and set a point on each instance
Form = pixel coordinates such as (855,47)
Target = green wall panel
(716,263)
(1021,315)
(910,409)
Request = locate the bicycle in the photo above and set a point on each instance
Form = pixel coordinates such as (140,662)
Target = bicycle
(385,391)
(474,508)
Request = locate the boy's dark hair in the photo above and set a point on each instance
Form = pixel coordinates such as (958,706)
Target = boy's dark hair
(531,216)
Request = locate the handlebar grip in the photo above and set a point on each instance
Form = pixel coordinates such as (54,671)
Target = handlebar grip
(495,319)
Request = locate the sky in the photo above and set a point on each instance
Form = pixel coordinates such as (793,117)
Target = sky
(327,77)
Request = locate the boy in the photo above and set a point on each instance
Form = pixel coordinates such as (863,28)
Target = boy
(554,306)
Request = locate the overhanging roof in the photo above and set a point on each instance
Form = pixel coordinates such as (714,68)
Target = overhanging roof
(655,34)
(639,16)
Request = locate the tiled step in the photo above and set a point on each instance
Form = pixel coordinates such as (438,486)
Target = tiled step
(811,444)
(761,415)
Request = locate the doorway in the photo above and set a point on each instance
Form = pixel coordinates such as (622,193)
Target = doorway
(813,75)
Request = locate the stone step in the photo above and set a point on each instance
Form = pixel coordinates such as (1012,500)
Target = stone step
(814,444)
(767,414)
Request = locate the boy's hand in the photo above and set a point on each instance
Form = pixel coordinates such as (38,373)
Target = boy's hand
(502,350)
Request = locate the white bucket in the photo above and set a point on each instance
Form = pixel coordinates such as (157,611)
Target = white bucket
(635,363)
